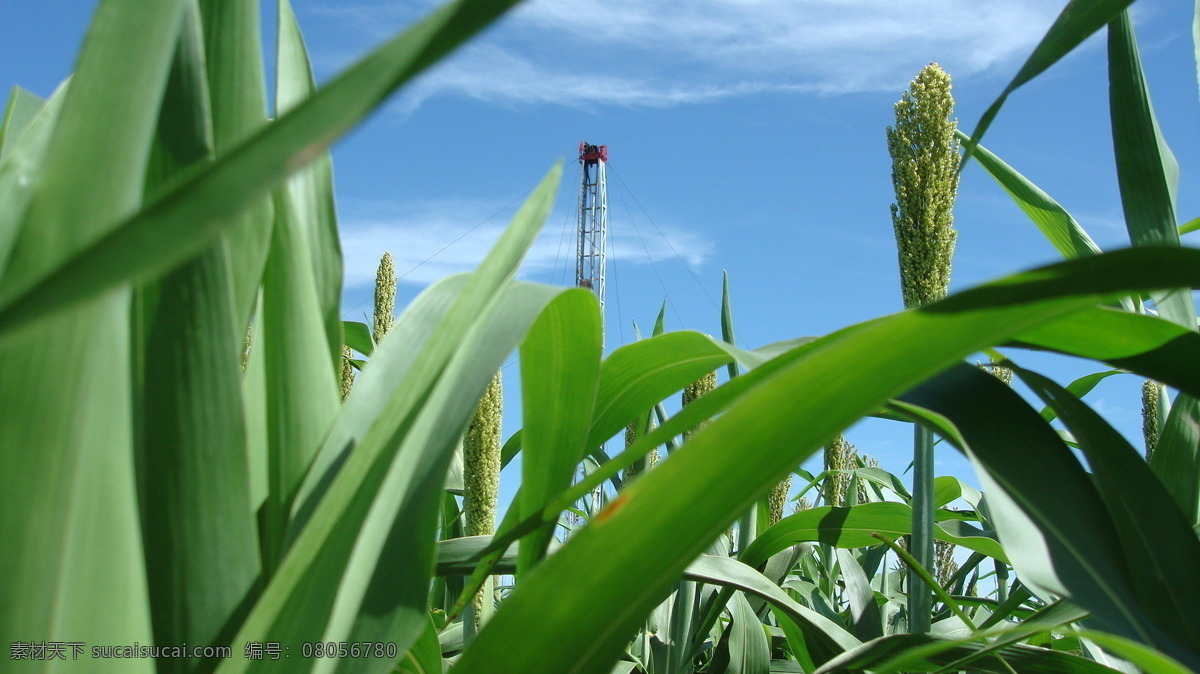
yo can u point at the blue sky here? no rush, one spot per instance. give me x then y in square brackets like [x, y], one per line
[750, 133]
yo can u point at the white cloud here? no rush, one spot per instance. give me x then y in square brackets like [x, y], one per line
[660, 53]
[439, 239]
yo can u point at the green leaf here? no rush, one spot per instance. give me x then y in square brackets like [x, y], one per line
[21, 171]
[358, 337]
[1146, 658]
[948, 489]
[657, 524]
[232, 44]
[144, 243]
[560, 366]
[1055, 223]
[1151, 346]
[425, 656]
[861, 596]
[77, 572]
[636, 376]
[1142, 511]
[1079, 388]
[360, 564]
[1189, 226]
[727, 333]
[1077, 22]
[822, 636]
[1176, 459]
[302, 395]
[23, 106]
[749, 652]
[927, 653]
[853, 528]
[191, 431]
[1146, 169]
[1051, 518]
[311, 188]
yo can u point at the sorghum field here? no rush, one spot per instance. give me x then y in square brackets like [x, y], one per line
[205, 469]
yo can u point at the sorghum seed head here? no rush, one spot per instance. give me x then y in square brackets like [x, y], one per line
[385, 297]
[924, 154]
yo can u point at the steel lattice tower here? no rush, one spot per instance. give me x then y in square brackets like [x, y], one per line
[592, 229]
[592, 232]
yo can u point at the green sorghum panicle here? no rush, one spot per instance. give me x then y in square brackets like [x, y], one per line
[631, 471]
[246, 346]
[839, 456]
[777, 500]
[701, 386]
[1004, 374]
[802, 504]
[925, 161]
[385, 297]
[1150, 394]
[867, 462]
[481, 470]
[347, 372]
[630, 436]
[946, 566]
[481, 463]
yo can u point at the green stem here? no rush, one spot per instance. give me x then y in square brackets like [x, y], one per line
[1001, 581]
[920, 606]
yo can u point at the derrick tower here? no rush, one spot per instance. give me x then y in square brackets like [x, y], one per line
[592, 222]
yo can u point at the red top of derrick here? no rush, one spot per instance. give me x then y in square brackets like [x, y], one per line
[590, 154]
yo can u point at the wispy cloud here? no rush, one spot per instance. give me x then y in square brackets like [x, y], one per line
[434, 240]
[661, 53]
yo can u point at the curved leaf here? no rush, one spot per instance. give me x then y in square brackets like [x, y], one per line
[657, 524]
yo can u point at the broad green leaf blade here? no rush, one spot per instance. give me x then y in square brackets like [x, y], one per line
[145, 244]
[1076, 552]
[1176, 459]
[1079, 388]
[948, 488]
[360, 564]
[859, 593]
[560, 369]
[369, 398]
[302, 394]
[387, 578]
[237, 86]
[191, 434]
[1146, 169]
[425, 656]
[1077, 22]
[657, 524]
[1150, 346]
[358, 337]
[76, 571]
[1155, 348]
[1143, 512]
[749, 652]
[1146, 658]
[926, 653]
[311, 188]
[20, 172]
[824, 637]
[23, 106]
[853, 528]
[639, 375]
[1055, 223]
